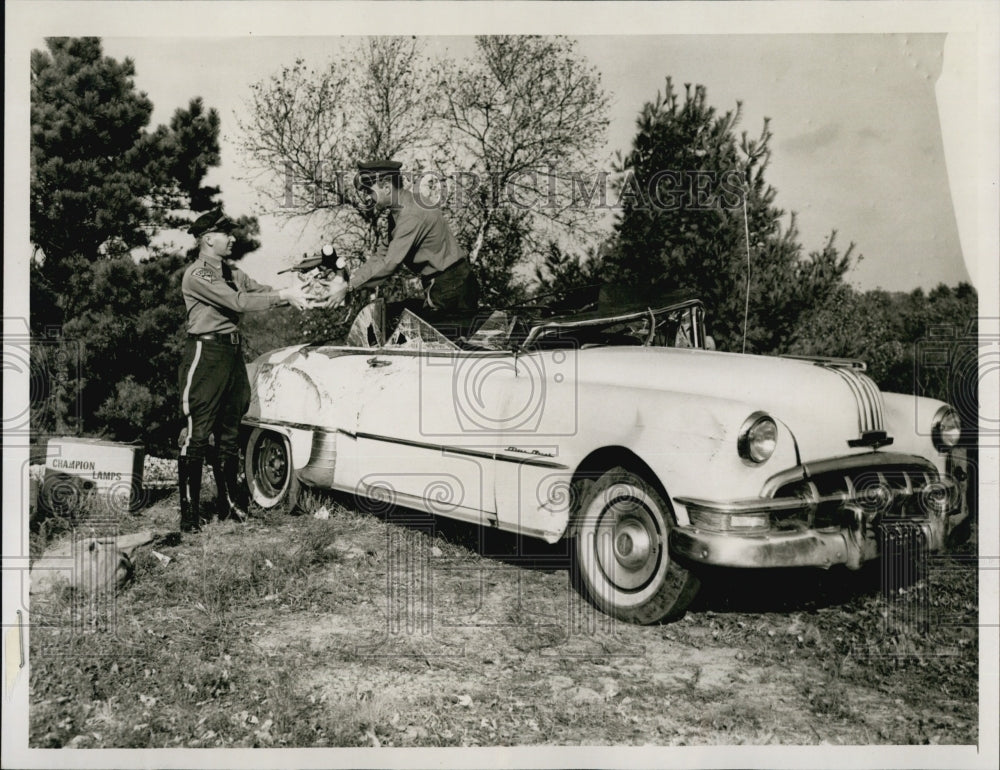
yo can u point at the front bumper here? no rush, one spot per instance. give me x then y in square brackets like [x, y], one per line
[810, 524]
[807, 548]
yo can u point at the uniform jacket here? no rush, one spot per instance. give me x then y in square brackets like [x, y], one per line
[215, 304]
[419, 238]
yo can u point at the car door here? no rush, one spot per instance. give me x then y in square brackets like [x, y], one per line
[540, 418]
[413, 447]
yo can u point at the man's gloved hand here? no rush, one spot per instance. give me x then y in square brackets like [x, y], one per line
[296, 295]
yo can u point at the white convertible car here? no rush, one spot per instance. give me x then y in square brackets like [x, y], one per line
[619, 430]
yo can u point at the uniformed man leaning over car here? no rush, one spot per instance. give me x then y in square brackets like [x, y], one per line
[215, 392]
[419, 238]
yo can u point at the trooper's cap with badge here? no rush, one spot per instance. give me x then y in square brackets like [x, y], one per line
[211, 222]
[372, 171]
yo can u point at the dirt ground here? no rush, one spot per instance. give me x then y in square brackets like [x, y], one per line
[391, 628]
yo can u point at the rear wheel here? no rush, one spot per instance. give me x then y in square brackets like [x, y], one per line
[268, 466]
[621, 551]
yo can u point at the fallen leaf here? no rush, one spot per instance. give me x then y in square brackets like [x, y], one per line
[609, 687]
[464, 700]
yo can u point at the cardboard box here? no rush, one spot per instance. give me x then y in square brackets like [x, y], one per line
[78, 468]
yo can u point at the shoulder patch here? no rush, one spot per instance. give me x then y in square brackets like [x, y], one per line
[205, 274]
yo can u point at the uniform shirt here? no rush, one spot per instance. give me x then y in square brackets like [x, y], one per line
[213, 305]
[419, 238]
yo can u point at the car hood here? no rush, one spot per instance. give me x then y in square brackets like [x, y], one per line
[823, 406]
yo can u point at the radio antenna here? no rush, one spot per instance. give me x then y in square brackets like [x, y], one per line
[746, 234]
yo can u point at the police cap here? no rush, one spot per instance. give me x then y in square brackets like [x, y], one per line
[211, 222]
[372, 171]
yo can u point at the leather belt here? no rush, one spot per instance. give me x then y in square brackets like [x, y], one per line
[226, 338]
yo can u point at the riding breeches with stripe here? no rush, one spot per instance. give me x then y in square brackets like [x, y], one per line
[215, 394]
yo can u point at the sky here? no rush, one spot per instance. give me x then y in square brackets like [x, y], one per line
[857, 144]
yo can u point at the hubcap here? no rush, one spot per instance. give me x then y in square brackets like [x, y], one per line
[272, 465]
[628, 544]
[632, 544]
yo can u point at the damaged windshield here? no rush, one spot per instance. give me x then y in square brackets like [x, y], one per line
[680, 326]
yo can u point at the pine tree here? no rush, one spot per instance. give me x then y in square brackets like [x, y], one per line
[107, 329]
[694, 201]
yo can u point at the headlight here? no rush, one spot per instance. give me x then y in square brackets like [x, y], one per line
[758, 438]
[946, 429]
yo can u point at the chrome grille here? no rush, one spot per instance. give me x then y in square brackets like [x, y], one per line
[888, 490]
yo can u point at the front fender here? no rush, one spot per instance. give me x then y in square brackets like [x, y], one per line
[909, 420]
[689, 442]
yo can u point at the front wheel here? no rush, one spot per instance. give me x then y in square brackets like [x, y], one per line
[621, 551]
[268, 466]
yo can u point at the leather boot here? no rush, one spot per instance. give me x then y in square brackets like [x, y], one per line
[235, 505]
[221, 499]
[182, 485]
[189, 469]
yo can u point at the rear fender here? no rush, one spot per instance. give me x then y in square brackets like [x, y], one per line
[300, 440]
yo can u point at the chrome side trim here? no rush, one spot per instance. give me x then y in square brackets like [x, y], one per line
[261, 422]
[447, 449]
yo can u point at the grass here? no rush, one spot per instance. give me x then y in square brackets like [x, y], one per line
[291, 631]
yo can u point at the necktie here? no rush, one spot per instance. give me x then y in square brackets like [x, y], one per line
[227, 276]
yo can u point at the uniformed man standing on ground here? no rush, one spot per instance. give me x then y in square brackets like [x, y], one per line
[215, 392]
[419, 238]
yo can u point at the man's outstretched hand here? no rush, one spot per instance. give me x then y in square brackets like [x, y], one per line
[316, 292]
[338, 293]
[296, 296]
